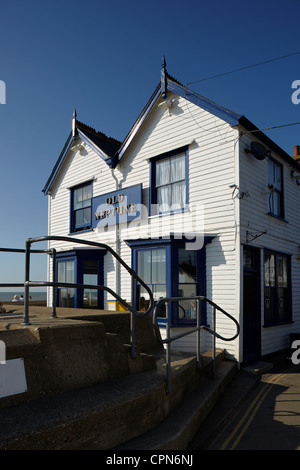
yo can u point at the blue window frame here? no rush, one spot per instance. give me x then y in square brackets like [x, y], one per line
[170, 271]
[66, 272]
[169, 182]
[81, 207]
[80, 267]
[275, 185]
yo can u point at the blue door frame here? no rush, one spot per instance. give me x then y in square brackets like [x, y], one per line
[79, 256]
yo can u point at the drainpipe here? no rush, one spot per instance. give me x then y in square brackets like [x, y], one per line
[118, 242]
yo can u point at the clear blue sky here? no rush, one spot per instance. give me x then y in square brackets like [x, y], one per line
[104, 57]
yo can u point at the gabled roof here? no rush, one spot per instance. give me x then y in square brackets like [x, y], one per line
[112, 150]
[105, 147]
[169, 83]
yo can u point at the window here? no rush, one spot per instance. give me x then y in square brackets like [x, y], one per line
[66, 273]
[90, 276]
[81, 216]
[275, 184]
[169, 182]
[81, 266]
[152, 270]
[277, 288]
[170, 270]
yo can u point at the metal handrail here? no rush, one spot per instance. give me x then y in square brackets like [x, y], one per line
[27, 283]
[133, 312]
[169, 339]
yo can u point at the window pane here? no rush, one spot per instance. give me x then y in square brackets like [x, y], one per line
[187, 308]
[144, 265]
[159, 291]
[66, 298]
[86, 195]
[90, 298]
[78, 198]
[277, 175]
[87, 215]
[144, 298]
[267, 270]
[159, 265]
[70, 273]
[187, 260]
[285, 273]
[79, 217]
[82, 197]
[65, 271]
[164, 198]
[61, 272]
[177, 168]
[163, 173]
[178, 195]
[269, 304]
[280, 271]
[272, 270]
[90, 266]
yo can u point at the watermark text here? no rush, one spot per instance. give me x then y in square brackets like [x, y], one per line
[2, 92]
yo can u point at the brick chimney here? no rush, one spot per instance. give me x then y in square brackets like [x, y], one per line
[297, 153]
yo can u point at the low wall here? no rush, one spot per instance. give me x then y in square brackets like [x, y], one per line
[77, 354]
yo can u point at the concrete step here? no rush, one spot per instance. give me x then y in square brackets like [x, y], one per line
[179, 428]
[105, 415]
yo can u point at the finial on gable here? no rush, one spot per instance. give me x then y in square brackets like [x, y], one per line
[74, 123]
[163, 79]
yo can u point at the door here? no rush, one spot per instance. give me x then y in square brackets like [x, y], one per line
[251, 305]
[90, 277]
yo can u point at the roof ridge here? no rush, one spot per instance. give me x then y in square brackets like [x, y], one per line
[84, 126]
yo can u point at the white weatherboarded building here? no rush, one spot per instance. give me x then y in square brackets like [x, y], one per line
[198, 202]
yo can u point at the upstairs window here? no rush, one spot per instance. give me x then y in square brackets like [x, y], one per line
[275, 185]
[169, 191]
[81, 200]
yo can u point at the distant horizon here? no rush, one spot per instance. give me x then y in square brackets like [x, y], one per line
[7, 296]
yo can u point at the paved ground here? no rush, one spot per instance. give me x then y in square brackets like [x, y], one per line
[257, 412]
[41, 315]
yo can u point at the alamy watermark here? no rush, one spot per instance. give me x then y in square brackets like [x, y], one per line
[296, 94]
[296, 354]
[188, 224]
[2, 352]
[2, 92]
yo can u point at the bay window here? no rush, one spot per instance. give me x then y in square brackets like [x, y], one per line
[170, 270]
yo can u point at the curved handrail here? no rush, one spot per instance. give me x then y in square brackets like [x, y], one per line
[207, 328]
[29, 241]
[197, 329]
[80, 286]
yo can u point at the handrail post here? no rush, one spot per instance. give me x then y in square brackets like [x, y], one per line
[168, 349]
[214, 342]
[198, 331]
[26, 285]
[132, 321]
[53, 314]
